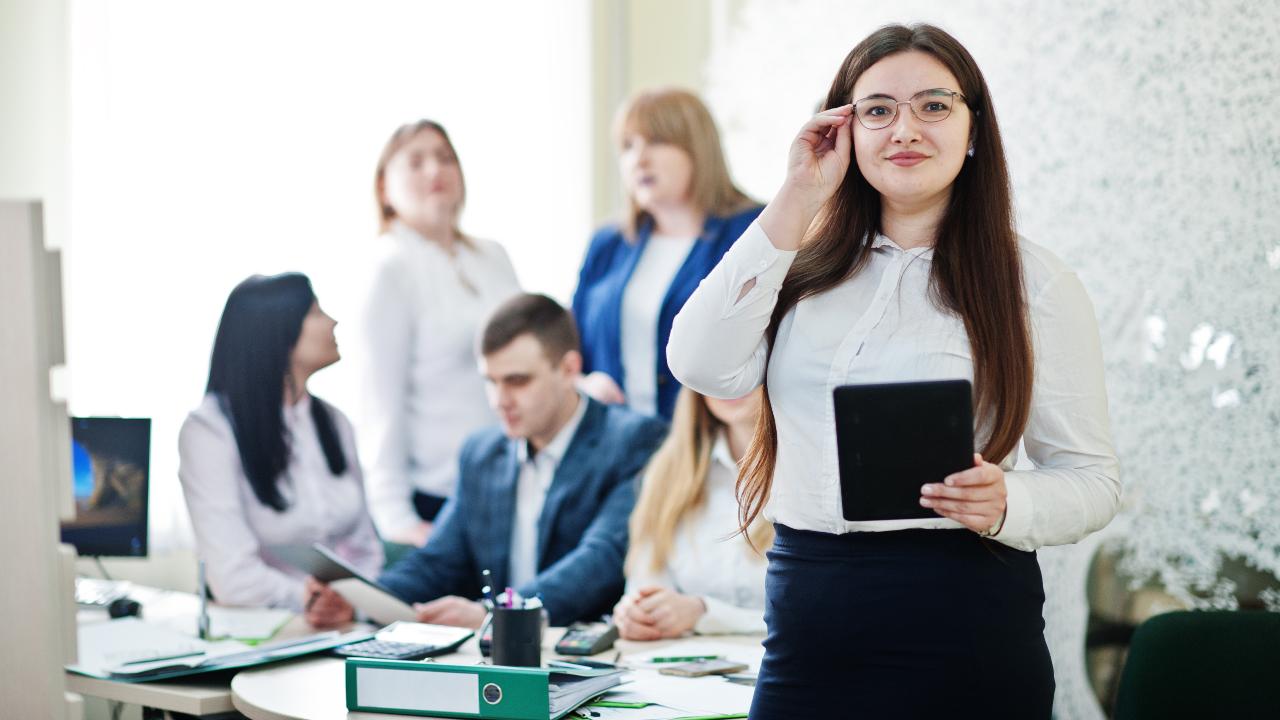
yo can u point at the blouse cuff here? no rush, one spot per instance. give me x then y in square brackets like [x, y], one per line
[754, 256]
[1018, 514]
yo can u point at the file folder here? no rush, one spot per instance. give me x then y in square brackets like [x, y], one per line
[471, 691]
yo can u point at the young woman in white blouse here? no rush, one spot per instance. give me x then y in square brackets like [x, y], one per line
[262, 462]
[889, 254]
[430, 291]
[688, 570]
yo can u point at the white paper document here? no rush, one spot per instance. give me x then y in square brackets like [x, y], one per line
[106, 645]
[710, 695]
[246, 623]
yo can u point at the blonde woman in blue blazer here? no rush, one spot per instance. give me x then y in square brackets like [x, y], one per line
[683, 212]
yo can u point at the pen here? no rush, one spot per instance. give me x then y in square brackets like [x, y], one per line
[686, 658]
[202, 620]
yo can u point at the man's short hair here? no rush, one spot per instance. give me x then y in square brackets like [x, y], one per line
[537, 315]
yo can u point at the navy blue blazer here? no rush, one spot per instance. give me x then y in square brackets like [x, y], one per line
[582, 532]
[606, 270]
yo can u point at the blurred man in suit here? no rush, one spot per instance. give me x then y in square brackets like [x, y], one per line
[543, 500]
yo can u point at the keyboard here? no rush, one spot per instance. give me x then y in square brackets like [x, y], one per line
[93, 592]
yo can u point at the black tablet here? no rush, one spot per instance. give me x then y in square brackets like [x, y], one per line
[894, 437]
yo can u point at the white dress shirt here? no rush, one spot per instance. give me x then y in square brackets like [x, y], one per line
[881, 326]
[536, 474]
[421, 390]
[709, 560]
[641, 304]
[232, 527]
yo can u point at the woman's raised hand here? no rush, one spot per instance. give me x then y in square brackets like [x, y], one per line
[816, 166]
[819, 156]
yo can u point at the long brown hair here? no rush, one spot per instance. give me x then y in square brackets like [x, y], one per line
[678, 117]
[399, 139]
[976, 271]
[675, 482]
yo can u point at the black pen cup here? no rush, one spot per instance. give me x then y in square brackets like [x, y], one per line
[517, 636]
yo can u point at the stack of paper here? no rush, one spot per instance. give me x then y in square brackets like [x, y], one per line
[566, 692]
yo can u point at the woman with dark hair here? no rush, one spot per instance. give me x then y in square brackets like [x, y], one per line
[430, 291]
[261, 461]
[889, 254]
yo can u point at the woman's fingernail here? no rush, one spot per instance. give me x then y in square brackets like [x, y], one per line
[926, 502]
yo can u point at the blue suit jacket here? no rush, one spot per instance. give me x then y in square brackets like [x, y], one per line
[597, 303]
[582, 532]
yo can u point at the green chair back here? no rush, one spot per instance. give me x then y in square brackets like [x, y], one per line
[1203, 664]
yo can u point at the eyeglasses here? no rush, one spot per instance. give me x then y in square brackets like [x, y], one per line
[879, 111]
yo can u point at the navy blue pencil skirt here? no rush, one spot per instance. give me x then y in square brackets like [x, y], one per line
[905, 624]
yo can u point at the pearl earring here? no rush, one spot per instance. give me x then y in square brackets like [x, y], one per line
[970, 151]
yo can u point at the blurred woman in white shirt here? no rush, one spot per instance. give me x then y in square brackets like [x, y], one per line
[689, 570]
[262, 462]
[430, 290]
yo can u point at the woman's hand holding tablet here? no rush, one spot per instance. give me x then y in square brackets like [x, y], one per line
[974, 498]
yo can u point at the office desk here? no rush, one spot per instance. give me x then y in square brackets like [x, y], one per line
[315, 688]
[194, 697]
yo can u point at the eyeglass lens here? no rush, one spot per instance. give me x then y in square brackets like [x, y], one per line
[929, 106]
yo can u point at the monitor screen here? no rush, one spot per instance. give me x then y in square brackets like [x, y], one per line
[110, 461]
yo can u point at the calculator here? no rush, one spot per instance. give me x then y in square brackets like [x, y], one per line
[388, 650]
[407, 641]
[587, 638]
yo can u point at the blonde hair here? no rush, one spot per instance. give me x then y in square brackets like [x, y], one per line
[678, 117]
[675, 483]
[399, 139]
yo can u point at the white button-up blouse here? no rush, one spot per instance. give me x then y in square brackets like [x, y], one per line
[233, 528]
[421, 391]
[881, 325]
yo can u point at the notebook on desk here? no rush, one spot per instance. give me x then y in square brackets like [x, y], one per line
[133, 650]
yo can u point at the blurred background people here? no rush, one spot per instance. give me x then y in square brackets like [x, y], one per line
[543, 498]
[688, 569]
[263, 462]
[683, 211]
[431, 289]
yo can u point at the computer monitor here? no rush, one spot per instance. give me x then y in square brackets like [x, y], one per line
[110, 471]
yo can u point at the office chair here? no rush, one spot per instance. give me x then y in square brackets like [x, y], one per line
[1203, 664]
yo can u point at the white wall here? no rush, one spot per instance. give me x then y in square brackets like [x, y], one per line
[35, 598]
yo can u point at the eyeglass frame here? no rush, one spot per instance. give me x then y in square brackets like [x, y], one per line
[896, 102]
